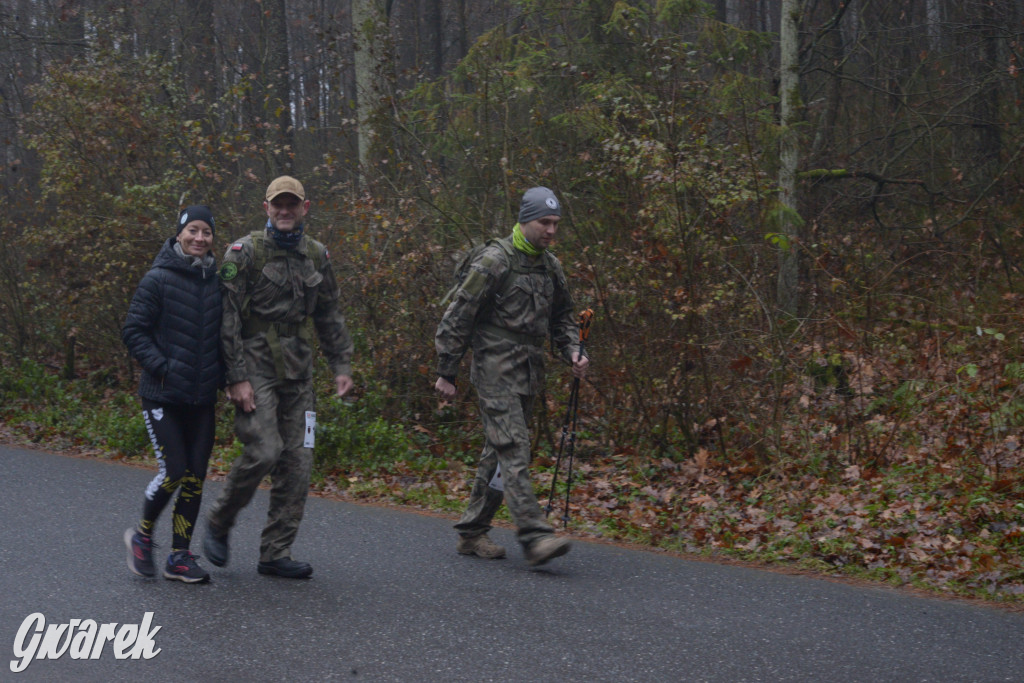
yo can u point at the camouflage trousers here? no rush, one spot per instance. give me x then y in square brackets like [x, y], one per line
[507, 444]
[272, 438]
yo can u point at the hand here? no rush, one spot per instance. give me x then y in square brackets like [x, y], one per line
[579, 365]
[445, 388]
[242, 395]
[344, 384]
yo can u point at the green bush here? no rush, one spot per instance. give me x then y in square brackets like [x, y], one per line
[46, 405]
[353, 435]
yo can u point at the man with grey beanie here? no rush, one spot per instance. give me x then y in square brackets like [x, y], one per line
[514, 295]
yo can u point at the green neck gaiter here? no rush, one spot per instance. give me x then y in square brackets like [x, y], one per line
[522, 244]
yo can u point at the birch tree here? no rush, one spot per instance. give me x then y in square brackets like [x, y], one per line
[369, 21]
[789, 106]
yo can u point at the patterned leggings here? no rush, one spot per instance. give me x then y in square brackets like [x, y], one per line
[182, 438]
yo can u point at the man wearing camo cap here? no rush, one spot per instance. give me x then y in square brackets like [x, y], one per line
[278, 287]
[514, 295]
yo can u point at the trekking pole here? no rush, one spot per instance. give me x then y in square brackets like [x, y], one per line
[586, 318]
[561, 443]
[569, 423]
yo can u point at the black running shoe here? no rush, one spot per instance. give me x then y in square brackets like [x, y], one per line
[140, 553]
[181, 566]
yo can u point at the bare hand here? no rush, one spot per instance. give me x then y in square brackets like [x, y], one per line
[344, 384]
[445, 388]
[242, 395]
[579, 365]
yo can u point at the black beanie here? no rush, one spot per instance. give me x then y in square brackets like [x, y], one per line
[197, 212]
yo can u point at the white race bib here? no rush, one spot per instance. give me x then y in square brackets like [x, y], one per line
[310, 429]
[496, 482]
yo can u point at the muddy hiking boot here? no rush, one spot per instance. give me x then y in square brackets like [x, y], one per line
[546, 548]
[481, 546]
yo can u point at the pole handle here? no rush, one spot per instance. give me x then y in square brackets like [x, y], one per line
[586, 318]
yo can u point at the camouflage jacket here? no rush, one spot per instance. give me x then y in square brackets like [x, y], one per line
[507, 329]
[265, 330]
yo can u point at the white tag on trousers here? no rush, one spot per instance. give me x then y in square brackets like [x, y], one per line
[310, 429]
[496, 482]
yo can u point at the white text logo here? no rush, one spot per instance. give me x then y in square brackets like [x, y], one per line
[81, 639]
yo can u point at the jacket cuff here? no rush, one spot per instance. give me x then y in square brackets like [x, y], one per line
[235, 376]
[342, 369]
[447, 369]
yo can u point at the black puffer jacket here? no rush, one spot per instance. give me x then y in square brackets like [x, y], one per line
[173, 330]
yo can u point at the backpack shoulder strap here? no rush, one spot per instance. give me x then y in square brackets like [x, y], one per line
[467, 259]
[317, 252]
[505, 243]
[546, 262]
[553, 268]
[259, 250]
[510, 258]
[259, 259]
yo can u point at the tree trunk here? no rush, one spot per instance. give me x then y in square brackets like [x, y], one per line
[369, 20]
[789, 101]
[461, 36]
[277, 101]
[834, 49]
[199, 56]
[989, 143]
[728, 11]
[433, 27]
[933, 17]
[70, 30]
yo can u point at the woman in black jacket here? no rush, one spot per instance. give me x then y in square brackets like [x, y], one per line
[173, 331]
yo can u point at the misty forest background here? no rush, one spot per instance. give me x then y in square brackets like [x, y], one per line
[798, 223]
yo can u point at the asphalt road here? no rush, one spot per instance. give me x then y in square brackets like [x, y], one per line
[390, 600]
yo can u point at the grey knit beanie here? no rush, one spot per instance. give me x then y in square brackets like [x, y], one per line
[537, 203]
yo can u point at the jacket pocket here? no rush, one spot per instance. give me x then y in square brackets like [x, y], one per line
[271, 285]
[527, 303]
[311, 289]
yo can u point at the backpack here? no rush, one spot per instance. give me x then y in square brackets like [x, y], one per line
[461, 269]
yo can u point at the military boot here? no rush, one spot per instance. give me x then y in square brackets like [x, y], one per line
[546, 548]
[481, 546]
[215, 545]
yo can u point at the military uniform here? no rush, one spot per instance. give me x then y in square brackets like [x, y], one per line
[267, 339]
[506, 318]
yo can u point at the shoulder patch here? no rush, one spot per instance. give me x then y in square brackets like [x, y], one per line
[237, 246]
[228, 271]
[475, 282]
